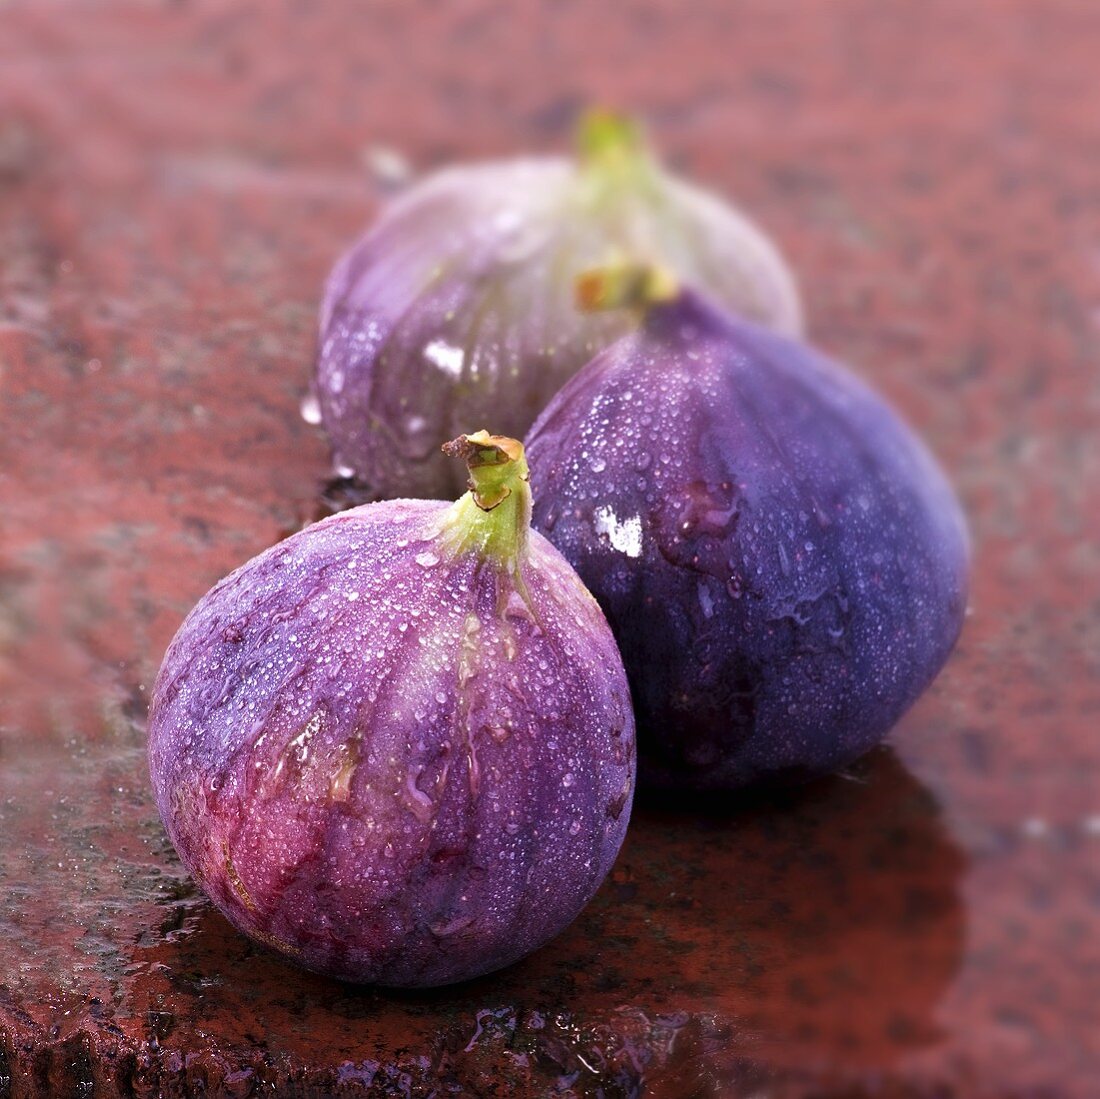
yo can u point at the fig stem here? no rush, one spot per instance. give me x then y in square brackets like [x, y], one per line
[605, 136]
[624, 286]
[614, 158]
[494, 517]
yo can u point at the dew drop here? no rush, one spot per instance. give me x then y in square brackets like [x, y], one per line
[310, 409]
[427, 560]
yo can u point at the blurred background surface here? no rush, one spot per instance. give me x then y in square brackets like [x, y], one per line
[175, 181]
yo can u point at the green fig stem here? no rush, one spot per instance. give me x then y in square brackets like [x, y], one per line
[608, 135]
[494, 517]
[614, 157]
[624, 286]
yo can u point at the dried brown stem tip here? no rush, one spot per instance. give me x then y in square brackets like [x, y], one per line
[624, 286]
[494, 461]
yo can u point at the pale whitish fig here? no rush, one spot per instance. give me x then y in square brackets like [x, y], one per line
[457, 304]
[398, 746]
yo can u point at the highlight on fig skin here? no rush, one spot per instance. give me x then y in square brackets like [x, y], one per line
[398, 746]
[781, 560]
[457, 304]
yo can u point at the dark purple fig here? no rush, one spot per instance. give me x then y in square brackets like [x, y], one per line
[457, 305]
[781, 560]
[398, 746]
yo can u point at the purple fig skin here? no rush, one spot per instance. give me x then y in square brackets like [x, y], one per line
[379, 758]
[780, 558]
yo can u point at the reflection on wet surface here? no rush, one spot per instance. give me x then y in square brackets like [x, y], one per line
[816, 929]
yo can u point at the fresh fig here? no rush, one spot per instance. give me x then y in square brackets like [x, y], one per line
[457, 304]
[781, 560]
[398, 746]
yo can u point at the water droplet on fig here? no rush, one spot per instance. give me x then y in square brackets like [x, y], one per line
[418, 439]
[442, 929]
[507, 220]
[418, 801]
[310, 409]
[706, 601]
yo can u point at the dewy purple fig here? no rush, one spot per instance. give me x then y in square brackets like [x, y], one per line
[780, 558]
[398, 746]
[458, 303]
